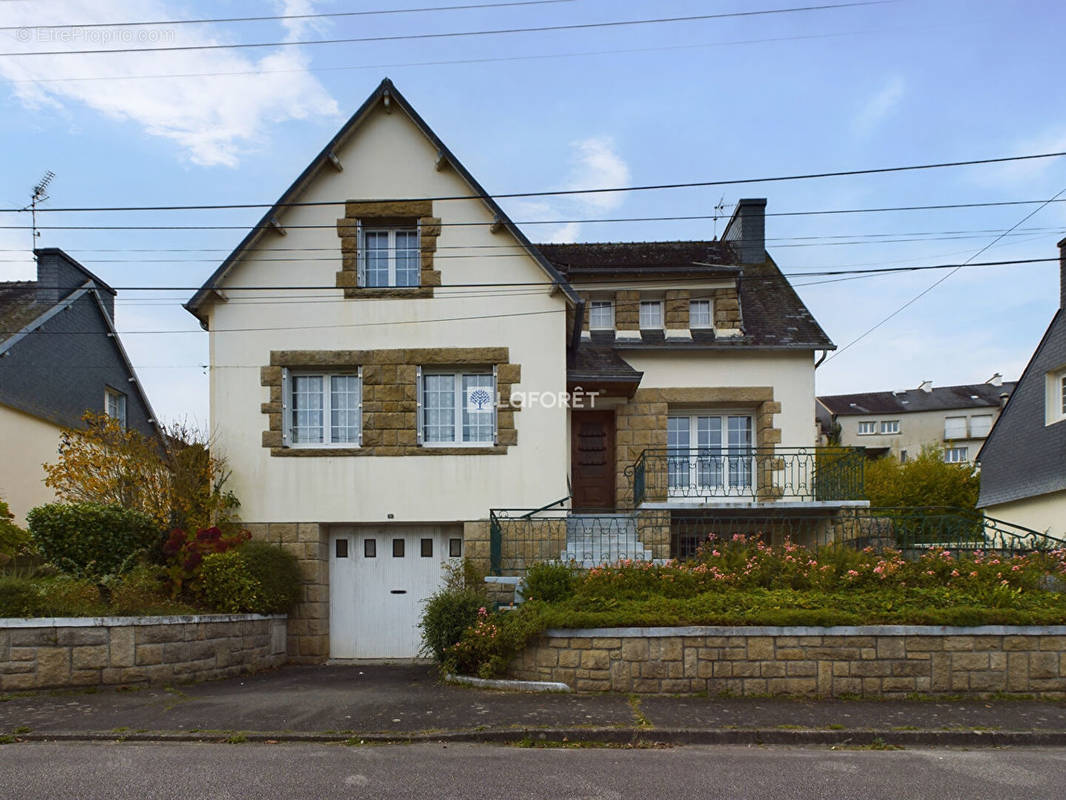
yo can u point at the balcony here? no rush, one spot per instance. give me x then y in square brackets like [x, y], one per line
[680, 477]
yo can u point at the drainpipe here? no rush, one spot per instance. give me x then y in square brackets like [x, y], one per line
[579, 321]
[818, 363]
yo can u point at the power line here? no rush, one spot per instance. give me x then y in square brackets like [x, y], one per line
[940, 280]
[590, 220]
[451, 34]
[568, 192]
[279, 17]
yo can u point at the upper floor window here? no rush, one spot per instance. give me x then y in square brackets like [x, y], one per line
[699, 314]
[601, 315]
[391, 257]
[957, 455]
[324, 409]
[115, 406]
[457, 408]
[867, 428]
[651, 314]
[955, 427]
[1055, 397]
[980, 425]
[890, 426]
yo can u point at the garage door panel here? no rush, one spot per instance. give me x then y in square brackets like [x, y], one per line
[379, 581]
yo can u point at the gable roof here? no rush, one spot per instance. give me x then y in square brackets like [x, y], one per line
[591, 259]
[385, 91]
[940, 398]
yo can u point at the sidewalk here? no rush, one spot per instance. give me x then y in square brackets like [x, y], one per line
[405, 702]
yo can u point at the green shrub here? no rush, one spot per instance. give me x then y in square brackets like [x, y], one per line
[91, 540]
[13, 540]
[18, 598]
[447, 614]
[256, 578]
[69, 596]
[550, 582]
[487, 647]
[143, 591]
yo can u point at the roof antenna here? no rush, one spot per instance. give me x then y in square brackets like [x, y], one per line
[40, 194]
[717, 212]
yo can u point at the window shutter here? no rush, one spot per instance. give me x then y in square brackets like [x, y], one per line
[495, 406]
[286, 408]
[360, 254]
[418, 405]
[360, 376]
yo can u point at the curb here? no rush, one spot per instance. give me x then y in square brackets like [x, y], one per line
[507, 683]
[607, 736]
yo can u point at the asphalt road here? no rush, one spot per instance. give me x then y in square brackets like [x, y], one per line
[118, 771]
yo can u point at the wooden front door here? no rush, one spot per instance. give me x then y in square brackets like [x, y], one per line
[592, 464]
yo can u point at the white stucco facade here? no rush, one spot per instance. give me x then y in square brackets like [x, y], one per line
[36, 443]
[1045, 513]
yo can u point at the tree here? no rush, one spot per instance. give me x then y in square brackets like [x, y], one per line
[181, 484]
[924, 481]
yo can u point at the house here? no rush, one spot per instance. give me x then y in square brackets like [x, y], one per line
[1023, 461]
[427, 384]
[60, 356]
[954, 419]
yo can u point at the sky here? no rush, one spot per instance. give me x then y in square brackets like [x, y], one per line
[762, 95]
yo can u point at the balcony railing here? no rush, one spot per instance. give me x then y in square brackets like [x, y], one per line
[799, 474]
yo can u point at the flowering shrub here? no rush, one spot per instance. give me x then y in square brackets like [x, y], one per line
[489, 645]
[185, 552]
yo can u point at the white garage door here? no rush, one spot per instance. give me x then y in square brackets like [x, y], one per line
[378, 581]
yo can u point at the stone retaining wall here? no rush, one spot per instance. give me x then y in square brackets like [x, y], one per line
[868, 661]
[93, 651]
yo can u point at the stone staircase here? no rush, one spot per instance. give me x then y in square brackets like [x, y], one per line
[593, 540]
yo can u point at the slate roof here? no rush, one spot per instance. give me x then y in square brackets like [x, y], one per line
[941, 398]
[773, 314]
[18, 306]
[600, 362]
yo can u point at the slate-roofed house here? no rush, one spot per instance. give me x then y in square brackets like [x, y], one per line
[360, 423]
[1023, 461]
[60, 356]
[954, 419]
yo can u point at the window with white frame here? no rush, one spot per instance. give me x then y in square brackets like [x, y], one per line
[980, 425]
[457, 408]
[957, 455]
[954, 427]
[709, 453]
[699, 314]
[324, 409]
[651, 314]
[601, 315]
[391, 257]
[115, 406]
[1055, 397]
[867, 428]
[890, 426]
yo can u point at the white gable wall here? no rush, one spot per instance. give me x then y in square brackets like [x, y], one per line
[386, 158]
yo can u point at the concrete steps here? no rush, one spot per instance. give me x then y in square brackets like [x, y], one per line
[593, 540]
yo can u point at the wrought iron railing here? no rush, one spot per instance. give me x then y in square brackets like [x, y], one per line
[748, 473]
[520, 538]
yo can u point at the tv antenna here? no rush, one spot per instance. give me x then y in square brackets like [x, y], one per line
[718, 209]
[40, 194]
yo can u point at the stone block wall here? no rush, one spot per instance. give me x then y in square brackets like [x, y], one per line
[55, 653]
[875, 661]
[389, 399]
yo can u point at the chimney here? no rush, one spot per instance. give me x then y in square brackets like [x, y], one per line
[995, 380]
[1062, 274]
[59, 275]
[747, 230]
[926, 386]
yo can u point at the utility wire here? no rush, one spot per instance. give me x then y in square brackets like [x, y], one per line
[278, 17]
[451, 34]
[940, 280]
[570, 192]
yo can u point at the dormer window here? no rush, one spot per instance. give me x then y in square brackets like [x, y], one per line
[699, 314]
[651, 315]
[115, 406]
[601, 315]
[391, 257]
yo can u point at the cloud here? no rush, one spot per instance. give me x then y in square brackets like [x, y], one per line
[594, 164]
[212, 120]
[878, 107]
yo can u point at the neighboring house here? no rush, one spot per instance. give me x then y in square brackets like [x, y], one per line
[355, 401]
[60, 356]
[1023, 462]
[955, 419]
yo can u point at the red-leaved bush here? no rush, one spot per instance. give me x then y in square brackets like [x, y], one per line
[185, 553]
